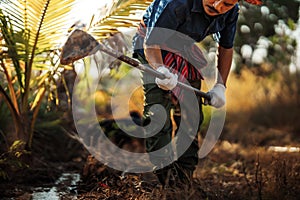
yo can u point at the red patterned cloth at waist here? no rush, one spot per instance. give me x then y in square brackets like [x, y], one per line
[180, 66]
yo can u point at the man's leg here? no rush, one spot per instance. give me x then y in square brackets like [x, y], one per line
[185, 115]
[161, 127]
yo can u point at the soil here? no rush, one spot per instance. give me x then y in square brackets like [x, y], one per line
[230, 171]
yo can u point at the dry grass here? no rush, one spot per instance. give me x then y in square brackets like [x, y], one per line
[261, 110]
[247, 91]
[232, 171]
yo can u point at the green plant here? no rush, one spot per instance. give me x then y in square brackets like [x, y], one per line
[30, 34]
[11, 160]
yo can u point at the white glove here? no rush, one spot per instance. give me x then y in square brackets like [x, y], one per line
[169, 82]
[217, 96]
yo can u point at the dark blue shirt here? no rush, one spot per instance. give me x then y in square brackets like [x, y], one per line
[189, 18]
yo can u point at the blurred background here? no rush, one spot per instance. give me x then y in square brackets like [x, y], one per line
[36, 122]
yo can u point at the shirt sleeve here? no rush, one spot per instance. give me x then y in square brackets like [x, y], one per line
[161, 22]
[228, 33]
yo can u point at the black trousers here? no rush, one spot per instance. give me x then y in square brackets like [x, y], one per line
[188, 117]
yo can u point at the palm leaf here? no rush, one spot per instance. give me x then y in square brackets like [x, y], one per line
[10, 37]
[45, 21]
[120, 14]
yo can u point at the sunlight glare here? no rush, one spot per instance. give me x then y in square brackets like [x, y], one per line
[284, 149]
[85, 9]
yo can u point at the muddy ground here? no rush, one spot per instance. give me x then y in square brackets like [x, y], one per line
[61, 168]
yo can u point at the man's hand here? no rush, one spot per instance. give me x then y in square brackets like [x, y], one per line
[217, 96]
[169, 82]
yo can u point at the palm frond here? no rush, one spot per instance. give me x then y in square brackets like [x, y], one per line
[10, 38]
[119, 14]
[46, 19]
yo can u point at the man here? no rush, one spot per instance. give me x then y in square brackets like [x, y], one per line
[166, 41]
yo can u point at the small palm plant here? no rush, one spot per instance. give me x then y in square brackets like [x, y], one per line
[31, 32]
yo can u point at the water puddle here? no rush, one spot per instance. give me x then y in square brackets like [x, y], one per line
[65, 187]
